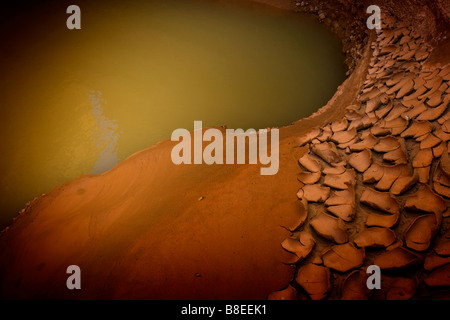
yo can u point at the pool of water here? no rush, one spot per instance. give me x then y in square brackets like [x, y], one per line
[79, 101]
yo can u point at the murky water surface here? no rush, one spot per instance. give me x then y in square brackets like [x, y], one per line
[78, 102]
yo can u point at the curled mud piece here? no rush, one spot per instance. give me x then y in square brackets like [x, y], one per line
[417, 129]
[343, 204]
[392, 174]
[381, 220]
[286, 294]
[368, 143]
[402, 289]
[423, 158]
[340, 181]
[309, 177]
[300, 247]
[375, 237]
[430, 141]
[433, 261]
[314, 193]
[343, 257]
[310, 163]
[443, 247]
[307, 138]
[327, 152]
[361, 161]
[342, 137]
[403, 184]
[329, 227]
[434, 113]
[439, 277]
[339, 125]
[421, 231]
[425, 200]
[386, 144]
[315, 280]
[354, 286]
[380, 200]
[301, 216]
[398, 258]
[445, 164]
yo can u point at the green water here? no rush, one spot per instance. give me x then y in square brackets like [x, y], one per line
[79, 101]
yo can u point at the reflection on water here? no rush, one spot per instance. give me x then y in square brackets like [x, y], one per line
[105, 135]
[78, 101]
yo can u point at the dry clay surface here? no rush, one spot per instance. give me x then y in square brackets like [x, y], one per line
[376, 183]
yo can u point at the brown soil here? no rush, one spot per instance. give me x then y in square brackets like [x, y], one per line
[148, 229]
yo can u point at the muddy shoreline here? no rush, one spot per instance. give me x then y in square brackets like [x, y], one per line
[145, 213]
